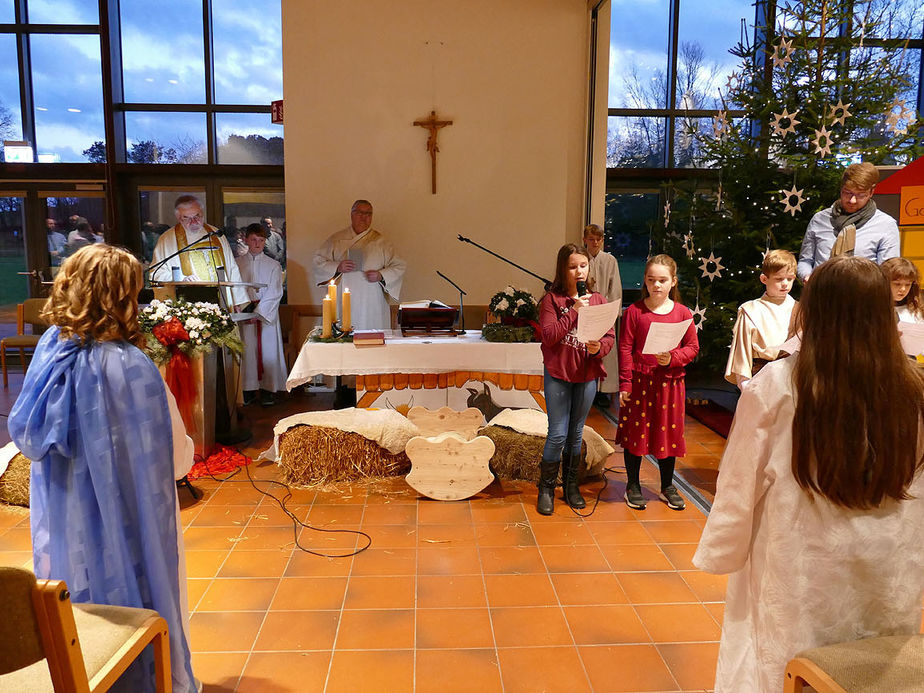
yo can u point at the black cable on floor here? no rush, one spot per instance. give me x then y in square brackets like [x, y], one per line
[296, 523]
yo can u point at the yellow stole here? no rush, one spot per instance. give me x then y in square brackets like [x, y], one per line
[197, 259]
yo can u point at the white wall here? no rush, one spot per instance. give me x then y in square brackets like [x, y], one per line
[511, 74]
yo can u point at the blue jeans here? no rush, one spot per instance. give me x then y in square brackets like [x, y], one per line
[567, 405]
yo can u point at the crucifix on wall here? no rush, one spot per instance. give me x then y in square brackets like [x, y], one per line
[433, 124]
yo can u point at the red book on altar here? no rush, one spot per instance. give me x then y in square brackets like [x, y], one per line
[368, 338]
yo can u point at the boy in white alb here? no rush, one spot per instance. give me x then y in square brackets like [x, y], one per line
[762, 325]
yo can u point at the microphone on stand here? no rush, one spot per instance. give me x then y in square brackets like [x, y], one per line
[461, 307]
[581, 287]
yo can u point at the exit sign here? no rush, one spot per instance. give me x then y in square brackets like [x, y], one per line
[276, 111]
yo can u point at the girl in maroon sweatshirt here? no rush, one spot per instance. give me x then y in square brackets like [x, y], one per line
[571, 370]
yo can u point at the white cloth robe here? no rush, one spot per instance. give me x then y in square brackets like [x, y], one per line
[368, 300]
[166, 245]
[762, 326]
[604, 270]
[262, 269]
[804, 573]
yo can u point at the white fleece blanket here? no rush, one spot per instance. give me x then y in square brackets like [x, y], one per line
[386, 427]
[533, 422]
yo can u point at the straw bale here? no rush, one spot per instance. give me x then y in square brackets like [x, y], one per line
[517, 455]
[14, 483]
[311, 455]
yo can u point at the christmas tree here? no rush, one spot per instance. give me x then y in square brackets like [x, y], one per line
[825, 87]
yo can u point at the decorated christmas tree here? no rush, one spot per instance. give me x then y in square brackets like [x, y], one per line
[825, 87]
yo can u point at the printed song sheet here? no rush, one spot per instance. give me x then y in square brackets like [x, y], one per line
[912, 335]
[594, 321]
[664, 336]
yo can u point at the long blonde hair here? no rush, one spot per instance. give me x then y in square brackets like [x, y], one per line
[95, 296]
[859, 400]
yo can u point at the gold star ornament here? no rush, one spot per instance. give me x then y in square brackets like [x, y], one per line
[711, 274]
[778, 119]
[788, 204]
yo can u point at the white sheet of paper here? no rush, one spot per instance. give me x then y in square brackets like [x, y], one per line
[912, 335]
[664, 336]
[594, 321]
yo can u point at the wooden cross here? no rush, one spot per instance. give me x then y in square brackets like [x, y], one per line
[433, 125]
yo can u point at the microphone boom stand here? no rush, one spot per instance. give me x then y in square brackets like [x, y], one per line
[461, 307]
[547, 282]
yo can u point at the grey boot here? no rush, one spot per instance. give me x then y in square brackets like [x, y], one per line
[548, 475]
[570, 491]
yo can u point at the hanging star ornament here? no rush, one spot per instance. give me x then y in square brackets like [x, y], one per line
[688, 245]
[823, 134]
[893, 119]
[733, 82]
[712, 275]
[720, 124]
[785, 115]
[839, 113]
[667, 213]
[786, 200]
[701, 314]
[782, 53]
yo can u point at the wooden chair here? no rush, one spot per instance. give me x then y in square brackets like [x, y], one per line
[26, 312]
[49, 644]
[893, 664]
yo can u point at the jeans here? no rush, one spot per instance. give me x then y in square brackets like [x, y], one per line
[567, 405]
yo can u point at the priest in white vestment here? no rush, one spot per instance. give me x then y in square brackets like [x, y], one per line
[263, 364]
[604, 270]
[199, 263]
[361, 259]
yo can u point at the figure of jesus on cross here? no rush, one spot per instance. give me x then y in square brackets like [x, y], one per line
[433, 125]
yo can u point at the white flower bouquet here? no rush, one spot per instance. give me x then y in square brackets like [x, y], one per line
[192, 328]
[514, 304]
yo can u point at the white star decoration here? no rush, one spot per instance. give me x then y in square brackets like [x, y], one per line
[712, 275]
[788, 195]
[786, 49]
[720, 124]
[823, 134]
[667, 213]
[893, 119]
[841, 108]
[688, 245]
[785, 115]
[701, 313]
[733, 82]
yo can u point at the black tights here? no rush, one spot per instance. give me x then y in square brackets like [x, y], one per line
[634, 465]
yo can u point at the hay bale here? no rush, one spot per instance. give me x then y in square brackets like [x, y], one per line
[517, 455]
[310, 455]
[14, 483]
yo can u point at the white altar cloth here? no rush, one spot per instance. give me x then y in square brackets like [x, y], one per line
[468, 352]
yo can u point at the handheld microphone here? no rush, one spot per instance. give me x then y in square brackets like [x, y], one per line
[581, 287]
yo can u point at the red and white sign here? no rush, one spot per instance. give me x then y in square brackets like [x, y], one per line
[276, 111]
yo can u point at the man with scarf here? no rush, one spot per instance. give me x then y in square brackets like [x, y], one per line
[851, 226]
[201, 260]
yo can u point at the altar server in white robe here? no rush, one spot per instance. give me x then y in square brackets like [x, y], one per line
[819, 511]
[604, 270]
[762, 325]
[201, 261]
[361, 259]
[263, 365]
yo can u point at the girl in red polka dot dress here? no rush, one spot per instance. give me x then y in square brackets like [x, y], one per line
[651, 386]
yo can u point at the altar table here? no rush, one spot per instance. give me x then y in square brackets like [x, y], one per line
[426, 362]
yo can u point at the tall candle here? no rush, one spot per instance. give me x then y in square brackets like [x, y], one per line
[347, 322]
[332, 294]
[326, 317]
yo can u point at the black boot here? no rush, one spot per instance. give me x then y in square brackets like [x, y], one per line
[548, 475]
[570, 491]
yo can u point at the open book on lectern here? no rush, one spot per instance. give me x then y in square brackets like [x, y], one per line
[426, 303]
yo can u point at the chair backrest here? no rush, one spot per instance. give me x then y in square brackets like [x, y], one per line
[20, 639]
[31, 312]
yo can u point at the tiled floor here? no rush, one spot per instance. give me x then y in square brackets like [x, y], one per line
[478, 595]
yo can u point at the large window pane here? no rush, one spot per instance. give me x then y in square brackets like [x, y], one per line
[629, 216]
[162, 54]
[706, 32]
[157, 215]
[896, 19]
[64, 11]
[165, 138]
[66, 235]
[638, 54]
[14, 287]
[7, 13]
[267, 208]
[248, 138]
[635, 142]
[68, 94]
[248, 51]
[10, 114]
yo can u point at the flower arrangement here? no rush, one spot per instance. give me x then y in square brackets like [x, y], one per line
[190, 328]
[517, 304]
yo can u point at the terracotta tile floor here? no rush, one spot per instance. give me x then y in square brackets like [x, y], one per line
[482, 594]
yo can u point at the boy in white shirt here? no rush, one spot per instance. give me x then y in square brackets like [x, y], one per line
[762, 325]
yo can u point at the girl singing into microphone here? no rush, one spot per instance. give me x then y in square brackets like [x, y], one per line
[571, 370]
